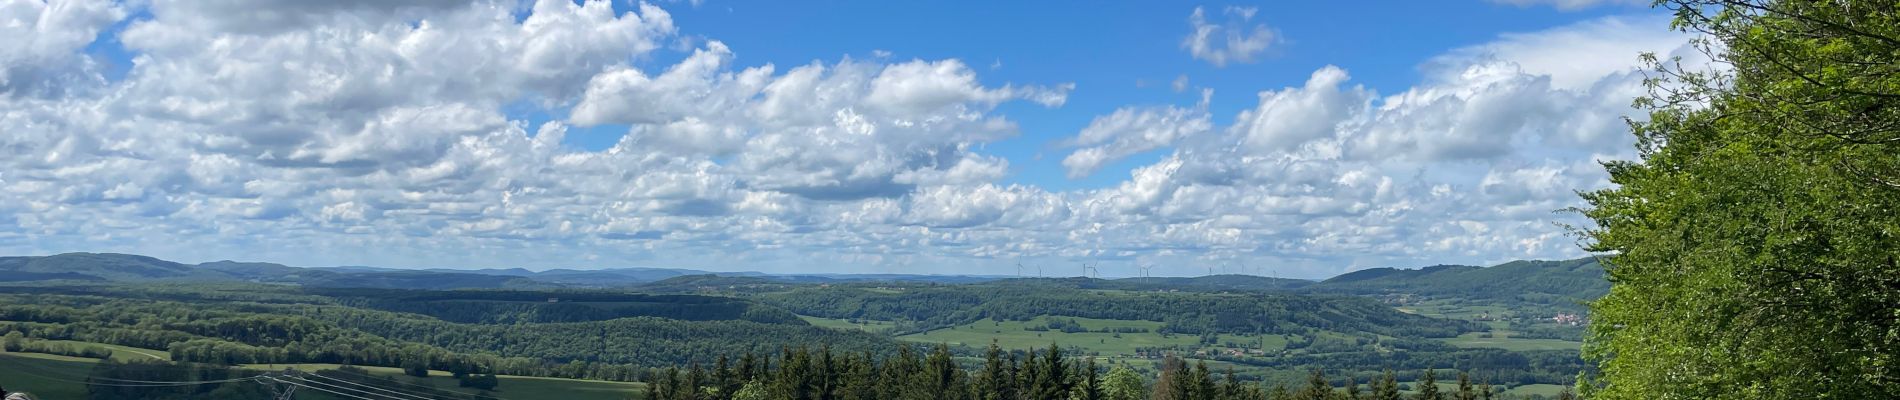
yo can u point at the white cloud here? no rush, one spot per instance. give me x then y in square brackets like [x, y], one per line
[43, 54]
[366, 132]
[1236, 41]
[1130, 131]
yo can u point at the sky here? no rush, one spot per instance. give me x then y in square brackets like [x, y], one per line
[1291, 139]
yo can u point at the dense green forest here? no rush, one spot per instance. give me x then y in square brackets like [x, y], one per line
[1752, 247]
[932, 307]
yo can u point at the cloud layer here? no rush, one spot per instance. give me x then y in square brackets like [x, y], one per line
[381, 133]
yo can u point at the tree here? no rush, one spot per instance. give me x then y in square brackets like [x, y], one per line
[1387, 387]
[1465, 391]
[14, 341]
[1428, 386]
[1317, 388]
[752, 391]
[997, 381]
[1123, 383]
[1752, 246]
[1088, 382]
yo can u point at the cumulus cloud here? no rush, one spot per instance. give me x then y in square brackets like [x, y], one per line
[43, 56]
[1129, 131]
[1238, 40]
[386, 133]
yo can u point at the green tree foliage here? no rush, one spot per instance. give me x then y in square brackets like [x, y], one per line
[1386, 388]
[1752, 247]
[1123, 383]
[1428, 387]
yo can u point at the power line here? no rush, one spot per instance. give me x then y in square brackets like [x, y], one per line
[132, 383]
[397, 392]
[366, 375]
[316, 388]
[295, 378]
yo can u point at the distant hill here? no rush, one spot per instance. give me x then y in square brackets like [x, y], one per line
[1547, 282]
[105, 266]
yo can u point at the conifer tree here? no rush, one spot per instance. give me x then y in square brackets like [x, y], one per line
[996, 382]
[1051, 379]
[1428, 386]
[1088, 382]
[1387, 388]
[725, 379]
[1465, 391]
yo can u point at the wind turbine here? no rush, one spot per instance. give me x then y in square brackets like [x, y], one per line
[1144, 269]
[1019, 270]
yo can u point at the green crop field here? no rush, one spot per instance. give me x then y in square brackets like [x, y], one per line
[121, 353]
[45, 376]
[1501, 340]
[873, 326]
[1012, 335]
[60, 377]
[510, 387]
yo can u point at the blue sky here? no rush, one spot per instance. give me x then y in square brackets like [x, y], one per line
[1299, 139]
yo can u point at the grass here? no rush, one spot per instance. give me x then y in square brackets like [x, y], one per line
[1537, 389]
[49, 376]
[1012, 335]
[45, 376]
[867, 325]
[511, 387]
[121, 353]
[1502, 340]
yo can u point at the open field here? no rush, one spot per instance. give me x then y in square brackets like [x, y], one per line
[1501, 340]
[1012, 335]
[511, 387]
[44, 375]
[60, 377]
[121, 353]
[873, 326]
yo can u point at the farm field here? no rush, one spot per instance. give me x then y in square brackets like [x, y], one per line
[1502, 340]
[873, 326]
[511, 386]
[61, 377]
[1012, 335]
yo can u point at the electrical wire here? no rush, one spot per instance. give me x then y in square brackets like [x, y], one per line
[393, 393]
[415, 385]
[318, 389]
[377, 396]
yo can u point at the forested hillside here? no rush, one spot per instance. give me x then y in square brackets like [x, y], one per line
[1546, 282]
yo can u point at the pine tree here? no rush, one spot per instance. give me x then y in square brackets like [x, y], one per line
[1428, 386]
[1231, 388]
[941, 378]
[724, 379]
[1203, 382]
[859, 379]
[996, 382]
[695, 377]
[1088, 383]
[1485, 391]
[1279, 392]
[1387, 388]
[1465, 391]
[1352, 389]
[1317, 388]
[1173, 383]
[1051, 377]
